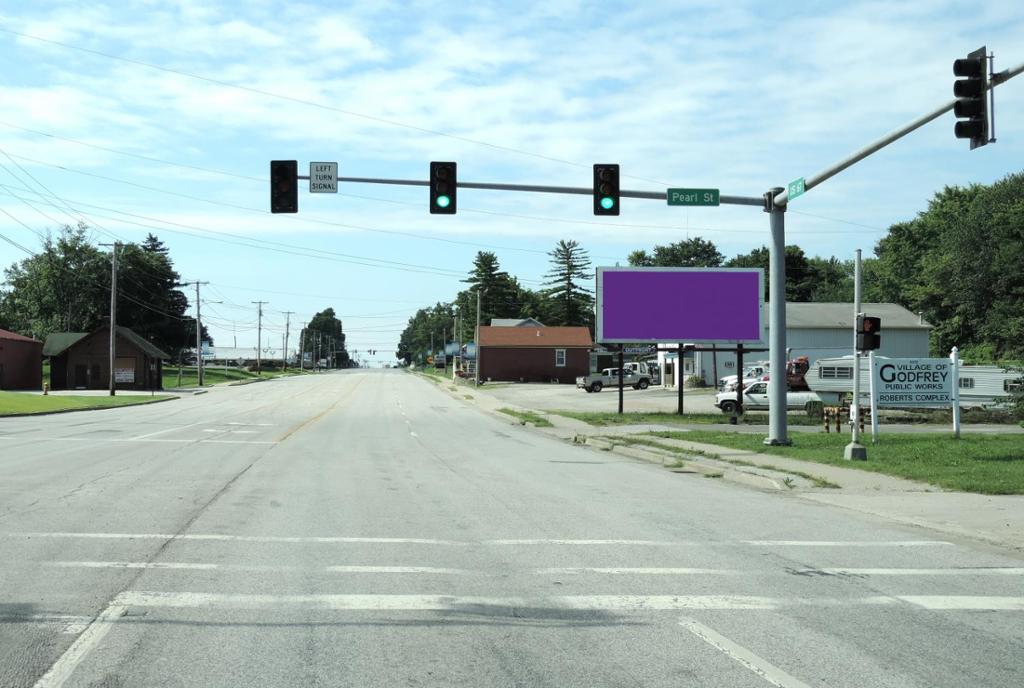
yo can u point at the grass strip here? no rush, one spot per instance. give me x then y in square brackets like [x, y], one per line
[14, 403]
[982, 463]
[527, 417]
[606, 418]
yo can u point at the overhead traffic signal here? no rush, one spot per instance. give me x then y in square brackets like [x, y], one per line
[868, 328]
[606, 189]
[284, 186]
[443, 186]
[971, 107]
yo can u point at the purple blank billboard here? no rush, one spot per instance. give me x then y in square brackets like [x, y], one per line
[685, 305]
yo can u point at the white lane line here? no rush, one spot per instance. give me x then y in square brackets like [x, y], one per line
[959, 602]
[616, 571]
[645, 543]
[132, 565]
[160, 432]
[760, 666]
[966, 571]
[413, 433]
[83, 645]
[100, 440]
[142, 598]
[841, 543]
[396, 569]
[240, 538]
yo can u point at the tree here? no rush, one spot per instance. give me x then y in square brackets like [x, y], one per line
[569, 303]
[324, 336]
[427, 327]
[800, 274]
[689, 253]
[961, 263]
[833, 280]
[66, 288]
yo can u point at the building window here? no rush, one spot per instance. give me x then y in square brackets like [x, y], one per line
[967, 383]
[835, 373]
[559, 358]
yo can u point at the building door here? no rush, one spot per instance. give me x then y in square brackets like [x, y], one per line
[81, 376]
[96, 381]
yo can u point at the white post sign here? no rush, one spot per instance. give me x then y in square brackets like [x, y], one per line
[323, 177]
[913, 382]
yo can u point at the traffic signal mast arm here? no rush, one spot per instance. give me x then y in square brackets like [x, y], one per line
[576, 190]
[814, 180]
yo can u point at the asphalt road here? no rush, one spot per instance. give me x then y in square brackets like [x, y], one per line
[367, 529]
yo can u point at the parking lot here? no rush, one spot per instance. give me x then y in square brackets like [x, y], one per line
[568, 397]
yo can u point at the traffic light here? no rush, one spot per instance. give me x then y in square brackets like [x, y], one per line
[443, 185]
[971, 108]
[868, 328]
[606, 189]
[284, 186]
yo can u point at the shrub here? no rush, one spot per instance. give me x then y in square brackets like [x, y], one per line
[695, 381]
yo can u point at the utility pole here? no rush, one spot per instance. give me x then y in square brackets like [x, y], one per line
[856, 451]
[199, 335]
[302, 345]
[113, 313]
[259, 336]
[287, 325]
[476, 366]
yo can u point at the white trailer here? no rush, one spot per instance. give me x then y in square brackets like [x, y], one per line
[982, 385]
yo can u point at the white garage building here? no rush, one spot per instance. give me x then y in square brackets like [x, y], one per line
[815, 330]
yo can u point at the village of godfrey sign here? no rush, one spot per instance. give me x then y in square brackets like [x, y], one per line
[913, 382]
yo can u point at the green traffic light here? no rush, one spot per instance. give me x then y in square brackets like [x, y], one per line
[443, 201]
[607, 202]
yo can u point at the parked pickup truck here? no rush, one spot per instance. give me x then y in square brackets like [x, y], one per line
[609, 377]
[755, 397]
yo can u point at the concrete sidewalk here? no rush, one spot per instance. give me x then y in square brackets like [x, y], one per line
[996, 519]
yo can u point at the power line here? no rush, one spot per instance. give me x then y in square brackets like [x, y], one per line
[311, 103]
[276, 246]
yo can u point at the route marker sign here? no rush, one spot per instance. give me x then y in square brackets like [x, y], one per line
[795, 188]
[323, 177]
[693, 196]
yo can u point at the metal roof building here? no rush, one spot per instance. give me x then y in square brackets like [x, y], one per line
[819, 330]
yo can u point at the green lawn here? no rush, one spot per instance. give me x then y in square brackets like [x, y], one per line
[527, 417]
[604, 418]
[14, 402]
[989, 463]
[217, 375]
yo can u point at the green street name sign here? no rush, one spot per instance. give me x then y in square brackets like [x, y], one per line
[693, 196]
[795, 188]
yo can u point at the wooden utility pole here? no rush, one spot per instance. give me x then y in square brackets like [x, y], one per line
[287, 325]
[259, 336]
[113, 314]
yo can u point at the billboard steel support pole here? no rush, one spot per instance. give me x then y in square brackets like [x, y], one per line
[739, 382]
[621, 364]
[776, 321]
[679, 377]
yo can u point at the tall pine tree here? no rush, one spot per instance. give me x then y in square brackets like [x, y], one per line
[569, 301]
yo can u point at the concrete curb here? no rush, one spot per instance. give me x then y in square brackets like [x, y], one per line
[86, 408]
[725, 471]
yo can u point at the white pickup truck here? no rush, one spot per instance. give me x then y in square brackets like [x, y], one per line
[755, 397]
[609, 377]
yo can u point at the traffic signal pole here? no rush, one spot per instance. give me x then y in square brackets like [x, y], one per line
[777, 435]
[877, 145]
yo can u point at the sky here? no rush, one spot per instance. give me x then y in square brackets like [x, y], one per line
[162, 117]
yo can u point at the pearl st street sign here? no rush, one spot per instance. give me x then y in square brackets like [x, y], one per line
[693, 196]
[323, 177]
[913, 382]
